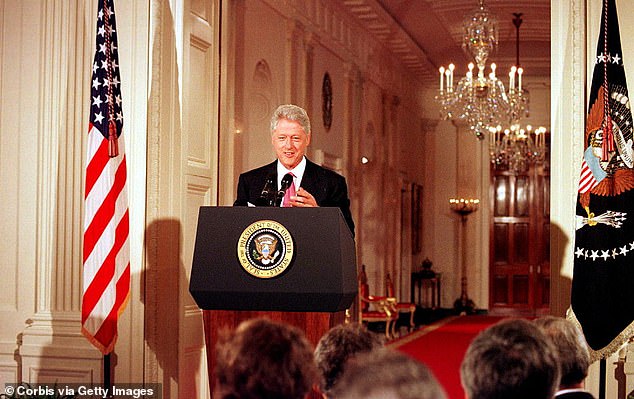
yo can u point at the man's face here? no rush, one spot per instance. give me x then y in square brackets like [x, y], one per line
[290, 142]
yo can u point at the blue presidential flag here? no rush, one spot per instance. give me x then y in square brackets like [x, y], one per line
[602, 300]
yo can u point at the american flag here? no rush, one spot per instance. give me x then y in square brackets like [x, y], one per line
[106, 226]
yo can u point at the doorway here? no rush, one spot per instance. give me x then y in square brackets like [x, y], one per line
[520, 241]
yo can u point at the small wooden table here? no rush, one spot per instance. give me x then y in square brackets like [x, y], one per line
[424, 283]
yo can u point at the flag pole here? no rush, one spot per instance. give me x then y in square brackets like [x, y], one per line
[107, 383]
[602, 369]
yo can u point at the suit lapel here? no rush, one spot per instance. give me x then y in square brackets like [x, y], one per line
[271, 169]
[311, 178]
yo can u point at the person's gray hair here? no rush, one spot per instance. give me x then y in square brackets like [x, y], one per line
[291, 112]
[340, 344]
[386, 373]
[571, 348]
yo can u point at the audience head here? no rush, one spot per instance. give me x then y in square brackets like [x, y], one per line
[571, 348]
[512, 359]
[337, 346]
[387, 374]
[264, 359]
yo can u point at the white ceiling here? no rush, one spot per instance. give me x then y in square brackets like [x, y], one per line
[428, 33]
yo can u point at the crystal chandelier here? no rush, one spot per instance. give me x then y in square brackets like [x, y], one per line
[478, 98]
[516, 147]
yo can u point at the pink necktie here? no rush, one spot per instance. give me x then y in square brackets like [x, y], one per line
[290, 191]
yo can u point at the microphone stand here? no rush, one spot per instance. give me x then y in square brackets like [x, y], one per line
[267, 197]
[286, 183]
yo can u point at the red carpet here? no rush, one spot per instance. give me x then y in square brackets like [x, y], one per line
[442, 345]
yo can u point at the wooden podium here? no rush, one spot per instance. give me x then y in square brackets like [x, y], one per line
[293, 265]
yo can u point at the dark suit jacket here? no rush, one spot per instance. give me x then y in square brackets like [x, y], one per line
[328, 187]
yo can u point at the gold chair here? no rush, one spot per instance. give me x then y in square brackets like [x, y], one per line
[401, 307]
[376, 308]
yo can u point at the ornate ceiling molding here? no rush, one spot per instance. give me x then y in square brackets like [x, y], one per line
[387, 31]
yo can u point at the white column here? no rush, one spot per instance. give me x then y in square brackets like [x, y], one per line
[53, 348]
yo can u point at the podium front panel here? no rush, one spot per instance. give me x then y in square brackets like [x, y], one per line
[321, 276]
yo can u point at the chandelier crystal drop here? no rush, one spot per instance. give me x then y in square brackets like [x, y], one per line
[479, 97]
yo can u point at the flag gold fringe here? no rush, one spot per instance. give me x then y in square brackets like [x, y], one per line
[102, 348]
[614, 346]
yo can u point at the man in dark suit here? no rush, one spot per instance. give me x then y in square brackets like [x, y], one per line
[290, 136]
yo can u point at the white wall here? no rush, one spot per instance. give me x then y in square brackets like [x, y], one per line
[19, 174]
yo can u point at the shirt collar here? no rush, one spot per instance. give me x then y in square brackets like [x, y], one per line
[297, 171]
[569, 390]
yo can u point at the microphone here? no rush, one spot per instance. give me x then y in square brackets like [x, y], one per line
[267, 195]
[287, 180]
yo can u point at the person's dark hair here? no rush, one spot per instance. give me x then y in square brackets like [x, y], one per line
[291, 112]
[511, 359]
[571, 347]
[338, 345]
[264, 359]
[385, 373]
